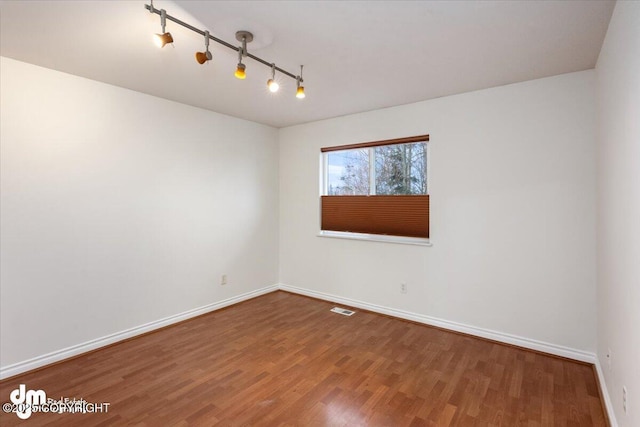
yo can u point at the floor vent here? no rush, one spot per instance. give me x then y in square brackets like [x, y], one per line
[343, 311]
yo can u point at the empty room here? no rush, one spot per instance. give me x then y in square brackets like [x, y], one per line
[320, 213]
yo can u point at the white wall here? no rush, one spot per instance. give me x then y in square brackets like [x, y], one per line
[512, 212]
[618, 83]
[120, 209]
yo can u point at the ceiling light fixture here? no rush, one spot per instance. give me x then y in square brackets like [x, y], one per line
[299, 89]
[272, 84]
[243, 36]
[205, 56]
[240, 70]
[165, 37]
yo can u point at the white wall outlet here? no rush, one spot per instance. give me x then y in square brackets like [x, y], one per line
[609, 358]
[223, 279]
[624, 399]
[403, 288]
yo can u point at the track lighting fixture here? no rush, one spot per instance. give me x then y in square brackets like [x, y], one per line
[300, 91]
[242, 36]
[272, 84]
[205, 56]
[240, 69]
[299, 88]
[165, 37]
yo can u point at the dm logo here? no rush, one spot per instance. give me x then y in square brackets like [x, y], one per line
[25, 400]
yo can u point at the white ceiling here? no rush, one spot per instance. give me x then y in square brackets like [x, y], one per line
[358, 55]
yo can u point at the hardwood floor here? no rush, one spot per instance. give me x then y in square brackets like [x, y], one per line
[284, 359]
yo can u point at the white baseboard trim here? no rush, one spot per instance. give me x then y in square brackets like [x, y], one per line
[605, 394]
[558, 350]
[65, 353]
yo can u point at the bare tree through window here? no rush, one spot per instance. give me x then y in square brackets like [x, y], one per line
[399, 169]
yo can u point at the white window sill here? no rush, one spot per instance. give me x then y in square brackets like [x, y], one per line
[419, 241]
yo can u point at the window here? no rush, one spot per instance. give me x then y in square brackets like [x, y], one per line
[377, 188]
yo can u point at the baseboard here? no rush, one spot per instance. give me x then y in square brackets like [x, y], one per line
[558, 350]
[604, 393]
[65, 353]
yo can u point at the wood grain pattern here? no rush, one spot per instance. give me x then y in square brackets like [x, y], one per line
[284, 359]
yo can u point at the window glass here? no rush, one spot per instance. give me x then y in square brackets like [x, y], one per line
[401, 169]
[348, 172]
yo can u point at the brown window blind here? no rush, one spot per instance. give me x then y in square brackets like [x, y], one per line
[393, 215]
[410, 139]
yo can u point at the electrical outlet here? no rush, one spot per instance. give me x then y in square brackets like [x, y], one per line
[403, 288]
[624, 399]
[609, 358]
[223, 279]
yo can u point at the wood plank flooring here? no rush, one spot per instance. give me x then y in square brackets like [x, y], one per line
[284, 359]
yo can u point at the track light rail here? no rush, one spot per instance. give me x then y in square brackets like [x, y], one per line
[152, 9]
